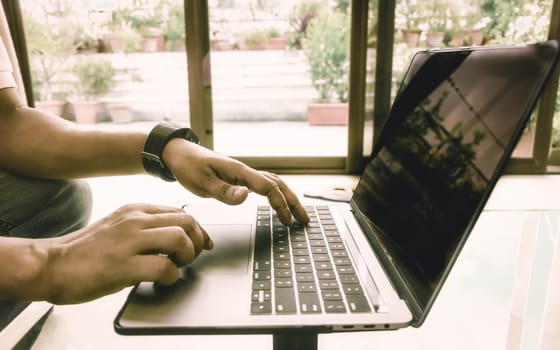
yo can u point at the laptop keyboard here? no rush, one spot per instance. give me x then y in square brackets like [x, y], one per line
[303, 269]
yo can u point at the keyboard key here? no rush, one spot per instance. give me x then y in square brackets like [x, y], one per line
[334, 239]
[305, 277]
[331, 295]
[303, 268]
[319, 250]
[309, 303]
[306, 287]
[261, 265]
[283, 283]
[261, 275]
[298, 238]
[281, 248]
[282, 264]
[326, 275]
[335, 306]
[281, 256]
[302, 260]
[332, 233]
[261, 295]
[357, 303]
[264, 308]
[323, 265]
[321, 257]
[339, 254]
[283, 273]
[300, 252]
[342, 261]
[285, 299]
[349, 279]
[345, 270]
[352, 289]
[337, 246]
[328, 284]
[315, 236]
[315, 230]
[300, 245]
[317, 243]
[261, 285]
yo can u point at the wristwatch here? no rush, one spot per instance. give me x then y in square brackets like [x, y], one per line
[160, 135]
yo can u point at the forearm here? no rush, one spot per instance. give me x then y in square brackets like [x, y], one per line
[38, 144]
[23, 265]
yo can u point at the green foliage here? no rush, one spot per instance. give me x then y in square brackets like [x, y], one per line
[50, 41]
[140, 16]
[556, 123]
[95, 77]
[299, 19]
[174, 26]
[255, 37]
[327, 49]
[409, 10]
[515, 21]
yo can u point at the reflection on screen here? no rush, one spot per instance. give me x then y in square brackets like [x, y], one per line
[446, 135]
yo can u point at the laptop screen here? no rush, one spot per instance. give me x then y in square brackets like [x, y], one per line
[450, 131]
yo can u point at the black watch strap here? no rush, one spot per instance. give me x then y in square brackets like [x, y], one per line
[160, 135]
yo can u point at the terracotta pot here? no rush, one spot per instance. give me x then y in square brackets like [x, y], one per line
[476, 37]
[55, 107]
[411, 36]
[327, 113]
[120, 113]
[435, 39]
[85, 112]
[276, 44]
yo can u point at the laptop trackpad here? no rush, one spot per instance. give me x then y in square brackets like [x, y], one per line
[231, 252]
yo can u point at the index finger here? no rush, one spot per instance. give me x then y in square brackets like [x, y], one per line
[281, 198]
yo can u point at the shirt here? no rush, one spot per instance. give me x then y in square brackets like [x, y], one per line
[6, 71]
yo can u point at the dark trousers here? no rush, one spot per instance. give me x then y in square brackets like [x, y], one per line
[35, 208]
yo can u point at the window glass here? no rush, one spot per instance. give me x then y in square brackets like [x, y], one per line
[120, 64]
[280, 77]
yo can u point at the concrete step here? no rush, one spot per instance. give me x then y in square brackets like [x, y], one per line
[246, 85]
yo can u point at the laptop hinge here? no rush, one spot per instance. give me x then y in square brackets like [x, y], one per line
[403, 289]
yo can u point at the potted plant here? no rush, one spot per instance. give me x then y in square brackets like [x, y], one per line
[411, 33]
[174, 28]
[94, 77]
[299, 19]
[438, 24]
[50, 43]
[275, 40]
[327, 51]
[255, 39]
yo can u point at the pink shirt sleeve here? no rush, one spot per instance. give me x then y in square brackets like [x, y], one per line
[6, 77]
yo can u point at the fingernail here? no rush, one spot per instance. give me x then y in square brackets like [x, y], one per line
[209, 244]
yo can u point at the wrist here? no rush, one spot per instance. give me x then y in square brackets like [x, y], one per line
[29, 280]
[172, 152]
[156, 143]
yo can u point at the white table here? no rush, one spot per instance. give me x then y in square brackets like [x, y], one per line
[473, 311]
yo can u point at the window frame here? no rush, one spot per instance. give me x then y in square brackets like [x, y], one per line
[198, 51]
[543, 160]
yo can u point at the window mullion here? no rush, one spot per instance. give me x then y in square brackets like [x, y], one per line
[198, 64]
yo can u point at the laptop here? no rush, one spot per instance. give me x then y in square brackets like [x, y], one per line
[379, 261]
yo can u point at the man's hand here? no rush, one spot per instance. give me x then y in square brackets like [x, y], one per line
[136, 243]
[209, 174]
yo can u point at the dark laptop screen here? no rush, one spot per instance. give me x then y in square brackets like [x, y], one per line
[439, 155]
